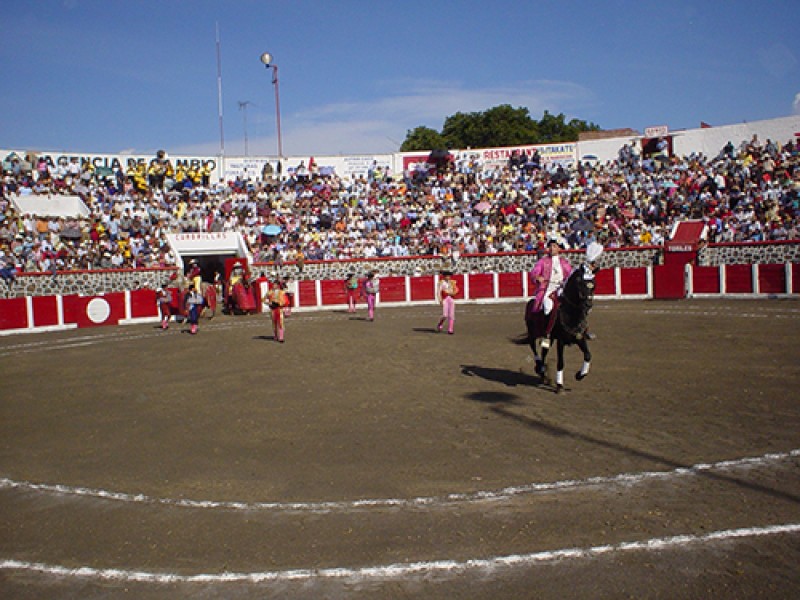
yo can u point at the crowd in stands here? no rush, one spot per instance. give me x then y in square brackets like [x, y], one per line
[749, 192]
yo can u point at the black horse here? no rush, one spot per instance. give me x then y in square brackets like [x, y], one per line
[569, 327]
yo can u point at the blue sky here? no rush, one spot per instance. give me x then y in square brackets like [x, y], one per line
[106, 76]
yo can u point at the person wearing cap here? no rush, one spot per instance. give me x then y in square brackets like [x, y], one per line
[276, 300]
[288, 286]
[547, 277]
[7, 269]
[371, 289]
[445, 295]
[194, 274]
[164, 299]
[194, 304]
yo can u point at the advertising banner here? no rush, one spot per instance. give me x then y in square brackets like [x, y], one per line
[111, 162]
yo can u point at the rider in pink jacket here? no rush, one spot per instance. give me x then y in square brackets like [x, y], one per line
[548, 275]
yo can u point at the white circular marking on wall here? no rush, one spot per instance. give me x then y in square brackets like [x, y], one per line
[98, 310]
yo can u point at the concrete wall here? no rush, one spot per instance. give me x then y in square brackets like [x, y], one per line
[98, 282]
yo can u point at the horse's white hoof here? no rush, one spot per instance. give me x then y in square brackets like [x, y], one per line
[580, 376]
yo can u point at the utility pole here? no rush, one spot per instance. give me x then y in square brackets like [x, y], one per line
[243, 104]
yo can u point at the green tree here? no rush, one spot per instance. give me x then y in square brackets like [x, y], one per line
[422, 138]
[499, 126]
[553, 128]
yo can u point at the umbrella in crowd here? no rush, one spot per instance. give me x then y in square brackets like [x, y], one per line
[583, 224]
[271, 229]
[440, 157]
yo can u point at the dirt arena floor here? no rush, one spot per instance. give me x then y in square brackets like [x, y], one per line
[383, 460]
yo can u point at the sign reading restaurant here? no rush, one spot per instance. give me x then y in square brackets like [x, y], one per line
[550, 154]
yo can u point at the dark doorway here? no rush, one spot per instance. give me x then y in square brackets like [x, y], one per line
[210, 265]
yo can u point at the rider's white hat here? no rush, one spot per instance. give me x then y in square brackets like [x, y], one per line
[593, 252]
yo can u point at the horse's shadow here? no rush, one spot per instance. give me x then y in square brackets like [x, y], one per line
[521, 340]
[494, 398]
[505, 376]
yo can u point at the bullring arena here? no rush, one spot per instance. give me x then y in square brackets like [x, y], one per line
[383, 460]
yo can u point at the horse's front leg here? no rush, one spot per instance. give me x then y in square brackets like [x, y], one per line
[541, 365]
[559, 366]
[587, 359]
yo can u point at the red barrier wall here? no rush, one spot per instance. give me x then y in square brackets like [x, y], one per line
[604, 283]
[796, 278]
[332, 292]
[705, 280]
[19, 314]
[510, 284]
[668, 282]
[393, 289]
[93, 311]
[143, 304]
[633, 281]
[738, 279]
[45, 311]
[13, 313]
[307, 290]
[422, 288]
[771, 279]
[481, 285]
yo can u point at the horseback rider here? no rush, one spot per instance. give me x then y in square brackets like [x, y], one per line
[194, 274]
[547, 278]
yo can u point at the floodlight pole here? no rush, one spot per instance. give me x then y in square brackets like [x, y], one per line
[266, 58]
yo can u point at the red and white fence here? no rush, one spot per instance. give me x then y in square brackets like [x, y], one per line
[49, 313]
[743, 280]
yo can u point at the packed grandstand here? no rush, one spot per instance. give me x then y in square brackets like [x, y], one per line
[745, 192]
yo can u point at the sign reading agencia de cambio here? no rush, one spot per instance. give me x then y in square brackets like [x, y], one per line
[109, 161]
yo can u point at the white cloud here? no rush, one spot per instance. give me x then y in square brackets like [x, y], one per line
[379, 126]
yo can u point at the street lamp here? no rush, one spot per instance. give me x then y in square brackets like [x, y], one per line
[266, 58]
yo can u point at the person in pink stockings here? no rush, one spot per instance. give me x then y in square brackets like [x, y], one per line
[445, 295]
[372, 287]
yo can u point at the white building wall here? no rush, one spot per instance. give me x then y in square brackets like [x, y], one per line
[709, 140]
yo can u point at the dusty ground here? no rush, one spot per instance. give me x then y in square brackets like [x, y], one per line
[231, 453]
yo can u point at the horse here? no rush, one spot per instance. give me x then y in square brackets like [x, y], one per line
[569, 327]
